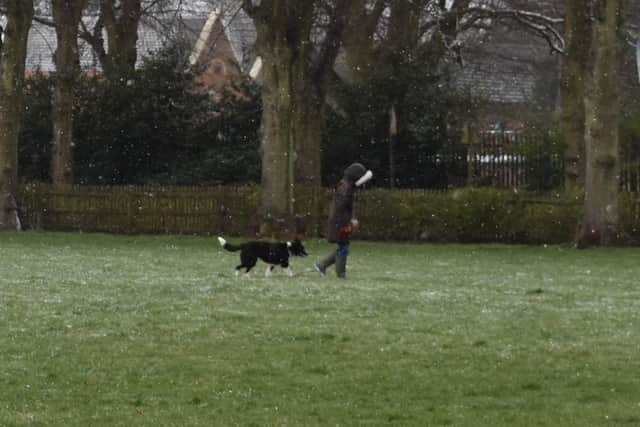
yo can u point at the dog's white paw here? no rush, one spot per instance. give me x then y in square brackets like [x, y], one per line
[222, 241]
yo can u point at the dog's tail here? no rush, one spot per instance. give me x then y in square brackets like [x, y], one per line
[227, 246]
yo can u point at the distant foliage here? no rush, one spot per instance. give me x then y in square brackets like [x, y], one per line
[630, 135]
[466, 215]
[630, 150]
[153, 129]
[461, 215]
[430, 119]
[544, 153]
[36, 132]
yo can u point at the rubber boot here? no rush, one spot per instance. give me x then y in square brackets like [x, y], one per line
[341, 266]
[322, 265]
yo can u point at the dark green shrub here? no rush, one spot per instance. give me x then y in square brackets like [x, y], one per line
[466, 215]
[430, 115]
[36, 131]
[630, 217]
[483, 214]
[552, 220]
[153, 129]
[630, 151]
[544, 153]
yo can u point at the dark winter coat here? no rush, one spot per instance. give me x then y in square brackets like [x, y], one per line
[341, 210]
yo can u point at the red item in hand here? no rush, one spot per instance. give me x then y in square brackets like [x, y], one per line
[345, 231]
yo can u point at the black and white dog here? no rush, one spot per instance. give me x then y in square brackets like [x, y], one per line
[273, 253]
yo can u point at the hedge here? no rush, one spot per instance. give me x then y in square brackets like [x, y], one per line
[461, 215]
[468, 215]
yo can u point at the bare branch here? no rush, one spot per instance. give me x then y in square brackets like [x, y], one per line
[331, 44]
[46, 21]
[256, 9]
[542, 25]
[631, 34]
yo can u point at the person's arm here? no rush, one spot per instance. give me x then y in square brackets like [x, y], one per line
[343, 205]
[343, 211]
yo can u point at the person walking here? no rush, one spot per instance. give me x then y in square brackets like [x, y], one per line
[341, 221]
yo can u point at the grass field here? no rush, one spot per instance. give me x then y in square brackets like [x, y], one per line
[102, 330]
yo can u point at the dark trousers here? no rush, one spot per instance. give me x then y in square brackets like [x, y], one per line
[337, 257]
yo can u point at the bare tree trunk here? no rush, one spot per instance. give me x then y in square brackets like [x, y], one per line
[12, 67]
[291, 131]
[307, 130]
[602, 118]
[358, 40]
[393, 135]
[577, 33]
[294, 78]
[66, 14]
[119, 54]
[278, 154]
[122, 31]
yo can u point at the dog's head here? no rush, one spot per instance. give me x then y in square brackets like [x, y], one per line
[296, 248]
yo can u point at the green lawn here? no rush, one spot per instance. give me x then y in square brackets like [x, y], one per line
[102, 330]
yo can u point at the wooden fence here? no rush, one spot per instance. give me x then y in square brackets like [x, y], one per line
[186, 210]
[458, 215]
[141, 209]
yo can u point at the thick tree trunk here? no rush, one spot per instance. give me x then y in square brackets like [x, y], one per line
[393, 136]
[358, 40]
[294, 76]
[292, 115]
[122, 33]
[292, 123]
[602, 118]
[307, 128]
[12, 67]
[577, 33]
[278, 153]
[66, 14]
